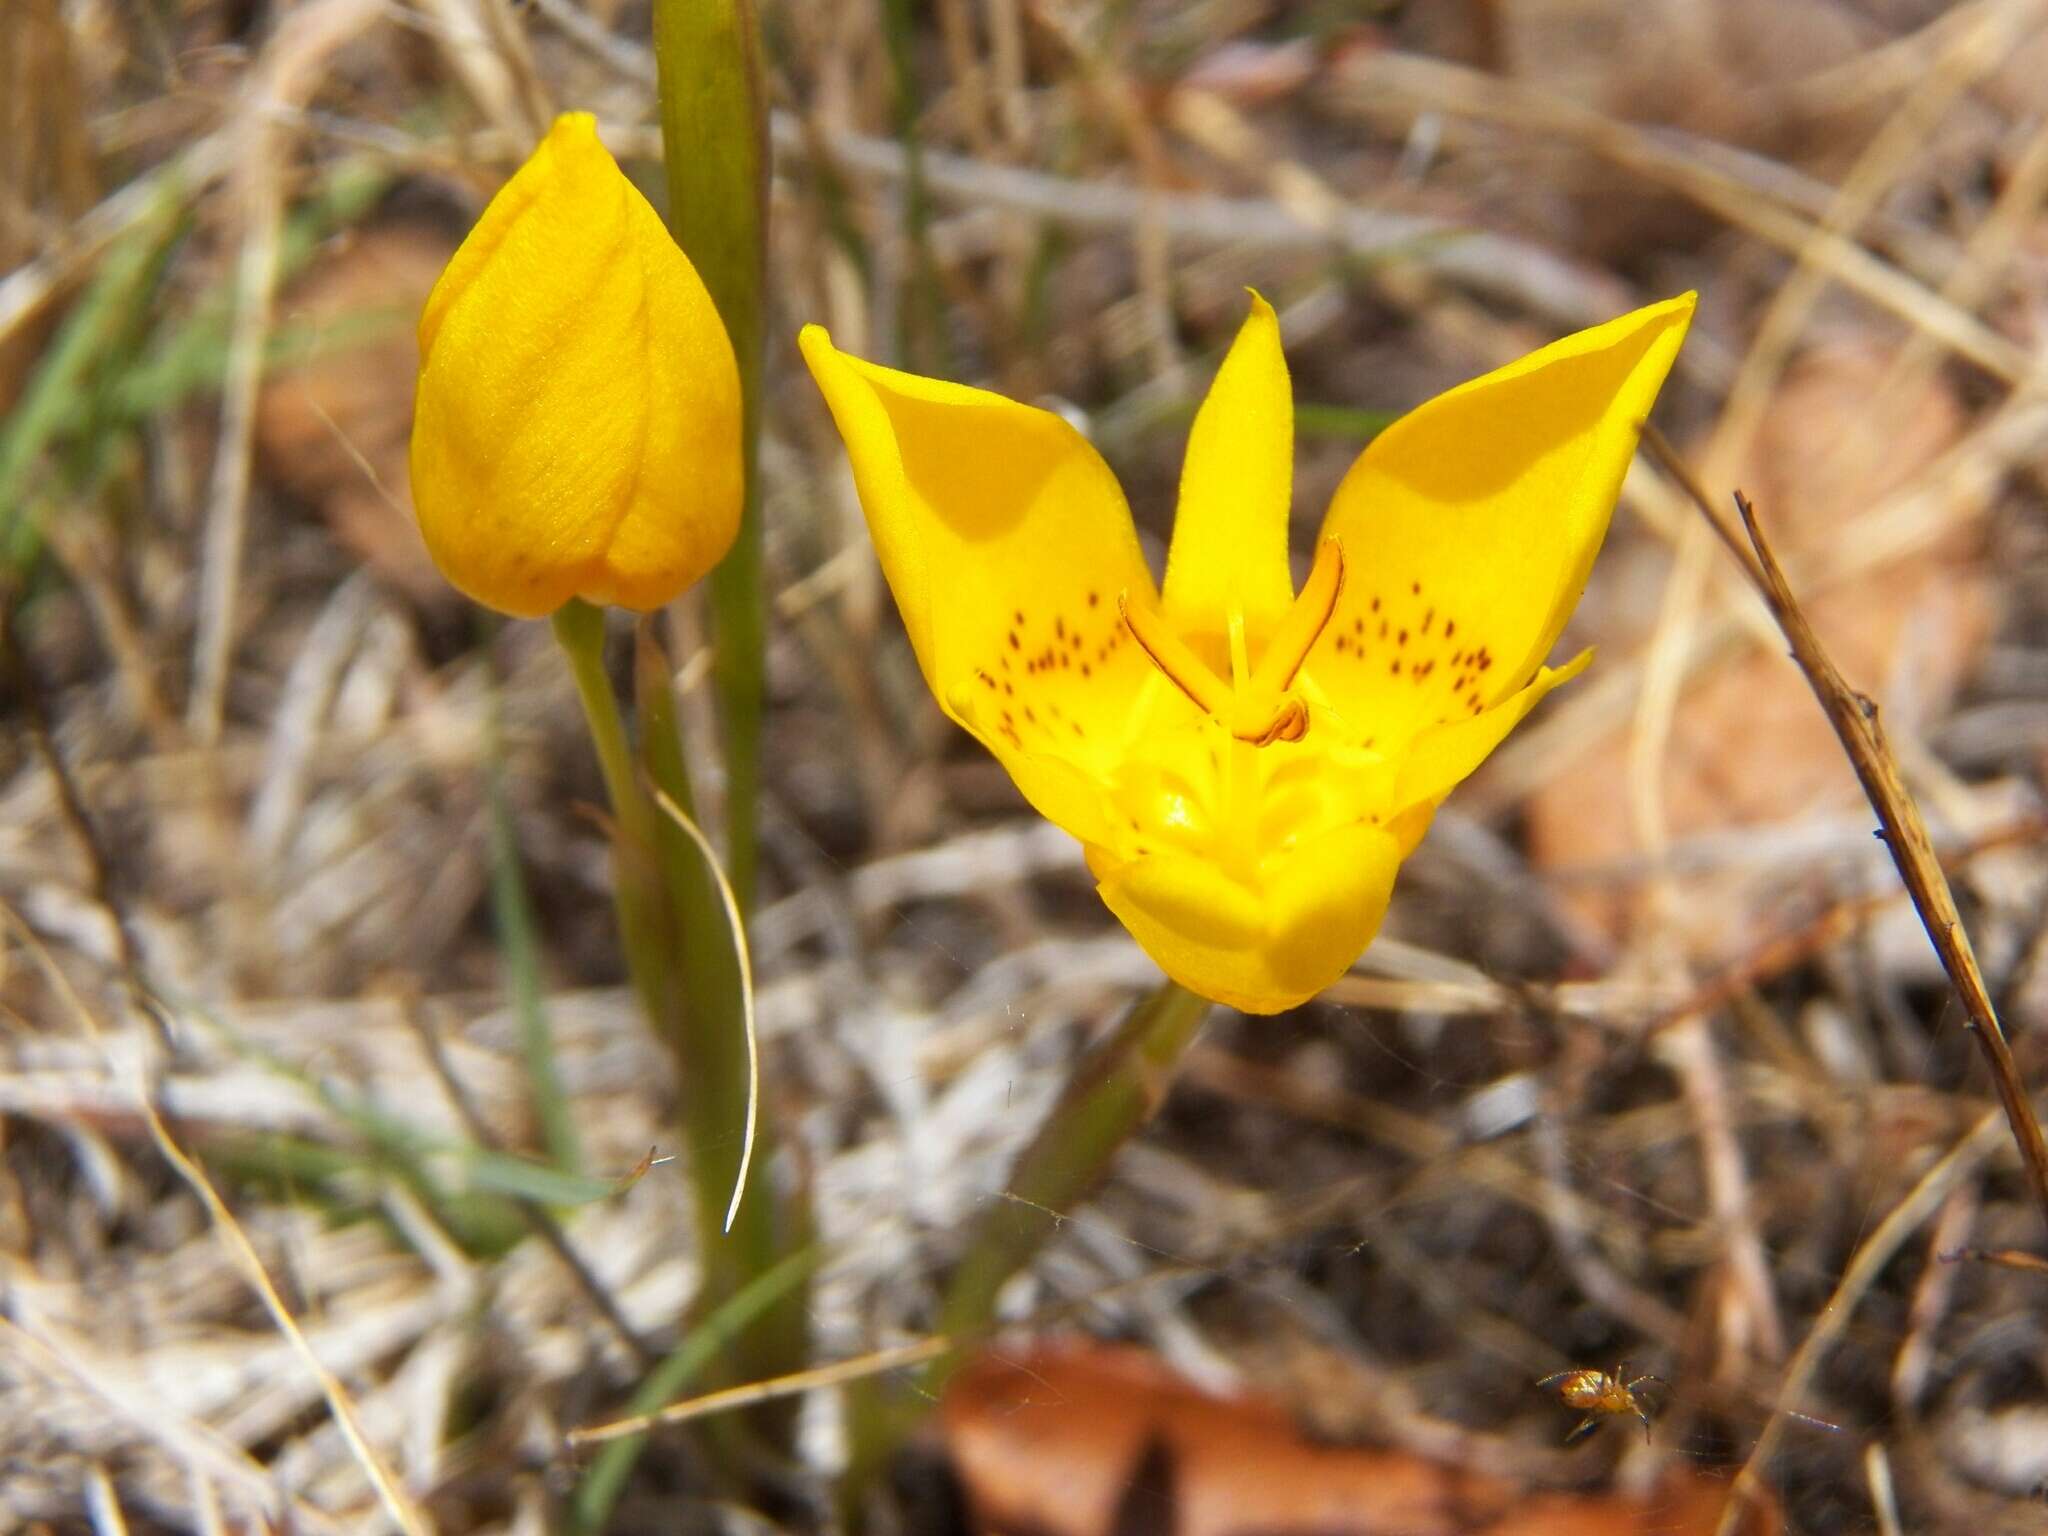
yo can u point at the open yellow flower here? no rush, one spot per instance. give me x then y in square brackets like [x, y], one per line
[577, 427]
[1246, 765]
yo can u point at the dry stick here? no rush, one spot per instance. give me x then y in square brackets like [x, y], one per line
[292, 68]
[1868, 1261]
[2009, 1258]
[395, 1503]
[400, 1509]
[1877, 1468]
[537, 1217]
[206, 1454]
[1388, 80]
[1854, 717]
[836, 1374]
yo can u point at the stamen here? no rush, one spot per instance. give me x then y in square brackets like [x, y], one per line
[1170, 654]
[1303, 624]
[1257, 710]
[1290, 724]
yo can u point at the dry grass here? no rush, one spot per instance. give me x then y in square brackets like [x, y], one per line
[1653, 1060]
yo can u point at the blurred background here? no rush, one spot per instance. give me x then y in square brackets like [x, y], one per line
[1650, 1047]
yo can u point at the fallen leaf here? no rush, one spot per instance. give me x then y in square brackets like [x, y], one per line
[1749, 746]
[332, 431]
[1083, 1439]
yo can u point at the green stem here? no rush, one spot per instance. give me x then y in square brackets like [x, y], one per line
[680, 951]
[1111, 1093]
[644, 925]
[714, 130]
[605, 1479]
[710, 1047]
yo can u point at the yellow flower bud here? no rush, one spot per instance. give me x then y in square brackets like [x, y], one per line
[577, 427]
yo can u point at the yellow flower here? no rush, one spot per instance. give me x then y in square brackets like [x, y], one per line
[1247, 766]
[577, 427]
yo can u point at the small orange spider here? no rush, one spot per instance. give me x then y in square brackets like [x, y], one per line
[1599, 1395]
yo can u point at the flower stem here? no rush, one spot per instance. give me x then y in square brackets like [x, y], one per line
[680, 953]
[636, 883]
[710, 1043]
[714, 130]
[1111, 1093]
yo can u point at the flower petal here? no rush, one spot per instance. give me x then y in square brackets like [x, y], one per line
[1470, 525]
[1259, 950]
[577, 426]
[1006, 542]
[1230, 531]
[1443, 755]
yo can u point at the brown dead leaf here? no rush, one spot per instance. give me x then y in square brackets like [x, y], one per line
[1081, 1439]
[333, 431]
[1748, 745]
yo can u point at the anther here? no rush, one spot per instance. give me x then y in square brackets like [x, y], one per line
[1170, 654]
[1265, 712]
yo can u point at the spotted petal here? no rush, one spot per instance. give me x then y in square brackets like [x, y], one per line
[1007, 544]
[1472, 523]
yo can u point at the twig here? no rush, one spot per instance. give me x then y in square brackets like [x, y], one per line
[143, 998]
[102, 1504]
[28, 688]
[129, 1405]
[1387, 81]
[1865, 1265]
[1747, 1306]
[292, 70]
[834, 1375]
[395, 1503]
[543, 1225]
[1855, 719]
[1877, 1467]
[1931, 1293]
[2008, 1258]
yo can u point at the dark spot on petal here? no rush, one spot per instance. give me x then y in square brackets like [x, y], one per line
[1094, 598]
[1450, 628]
[1015, 643]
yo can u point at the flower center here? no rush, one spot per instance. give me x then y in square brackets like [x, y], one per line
[1256, 705]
